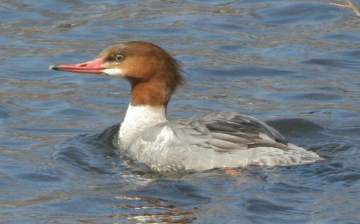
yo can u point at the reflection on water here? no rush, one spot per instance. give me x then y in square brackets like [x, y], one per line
[295, 63]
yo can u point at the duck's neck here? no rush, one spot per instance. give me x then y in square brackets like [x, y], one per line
[137, 119]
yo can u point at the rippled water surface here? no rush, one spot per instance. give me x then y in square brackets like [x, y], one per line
[295, 63]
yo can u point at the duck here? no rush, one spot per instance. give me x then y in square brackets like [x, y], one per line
[218, 140]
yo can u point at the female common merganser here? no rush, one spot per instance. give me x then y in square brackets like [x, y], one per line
[217, 140]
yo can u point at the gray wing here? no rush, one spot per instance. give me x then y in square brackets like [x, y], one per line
[230, 131]
[225, 132]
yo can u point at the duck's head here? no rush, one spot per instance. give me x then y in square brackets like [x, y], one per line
[151, 71]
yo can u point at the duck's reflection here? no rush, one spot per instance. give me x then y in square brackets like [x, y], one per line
[152, 210]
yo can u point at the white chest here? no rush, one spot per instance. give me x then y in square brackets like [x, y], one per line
[137, 119]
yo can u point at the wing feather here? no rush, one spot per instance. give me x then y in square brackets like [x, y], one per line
[222, 132]
[226, 132]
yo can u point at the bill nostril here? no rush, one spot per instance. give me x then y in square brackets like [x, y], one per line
[82, 65]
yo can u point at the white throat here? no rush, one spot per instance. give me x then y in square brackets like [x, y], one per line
[137, 119]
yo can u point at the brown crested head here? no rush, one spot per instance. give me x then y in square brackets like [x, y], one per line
[152, 72]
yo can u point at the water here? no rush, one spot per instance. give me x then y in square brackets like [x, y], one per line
[295, 63]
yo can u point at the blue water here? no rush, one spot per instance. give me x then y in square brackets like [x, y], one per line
[294, 63]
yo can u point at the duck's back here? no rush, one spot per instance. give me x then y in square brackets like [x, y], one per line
[216, 140]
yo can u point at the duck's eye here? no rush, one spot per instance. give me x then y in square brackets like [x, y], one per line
[119, 57]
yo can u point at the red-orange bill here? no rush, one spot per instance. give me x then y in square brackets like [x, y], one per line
[93, 66]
